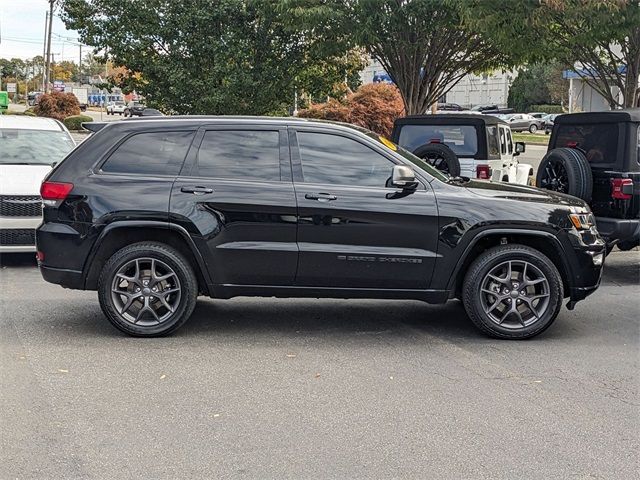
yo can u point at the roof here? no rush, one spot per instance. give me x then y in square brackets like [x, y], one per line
[452, 119]
[25, 122]
[613, 116]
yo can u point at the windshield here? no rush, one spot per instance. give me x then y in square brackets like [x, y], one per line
[33, 147]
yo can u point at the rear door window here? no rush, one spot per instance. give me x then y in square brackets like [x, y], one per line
[462, 139]
[493, 142]
[598, 141]
[240, 155]
[150, 153]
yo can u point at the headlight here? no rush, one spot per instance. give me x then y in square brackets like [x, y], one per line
[582, 221]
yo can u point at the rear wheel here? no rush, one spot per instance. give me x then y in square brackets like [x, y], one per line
[147, 289]
[512, 292]
[439, 156]
[566, 170]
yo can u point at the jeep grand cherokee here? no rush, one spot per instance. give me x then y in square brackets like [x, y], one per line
[153, 213]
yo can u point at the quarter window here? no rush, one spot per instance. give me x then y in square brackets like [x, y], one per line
[337, 160]
[150, 153]
[240, 154]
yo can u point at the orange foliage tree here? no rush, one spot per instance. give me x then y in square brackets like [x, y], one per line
[57, 105]
[374, 106]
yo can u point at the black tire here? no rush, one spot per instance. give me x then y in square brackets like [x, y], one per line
[126, 113]
[182, 281]
[566, 170]
[439, 156]
[533, 128]
[527, 322]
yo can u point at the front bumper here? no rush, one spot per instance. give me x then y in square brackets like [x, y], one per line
[17, 234]
[615, 230]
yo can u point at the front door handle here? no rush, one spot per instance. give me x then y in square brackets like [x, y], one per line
[196, 190]
[321, 197]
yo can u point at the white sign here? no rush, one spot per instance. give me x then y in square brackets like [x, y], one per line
[11, 88]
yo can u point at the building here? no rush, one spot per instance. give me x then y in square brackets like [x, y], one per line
[472, 90]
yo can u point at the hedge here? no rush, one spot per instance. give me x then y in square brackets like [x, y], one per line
[57, 105]
[74, 122]
[545, 108]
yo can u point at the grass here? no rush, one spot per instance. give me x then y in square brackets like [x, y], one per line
[531, 138]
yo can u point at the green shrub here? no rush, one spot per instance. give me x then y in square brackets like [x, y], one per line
[74, 122]
[57, 105]
[28, 113]
[545, 108]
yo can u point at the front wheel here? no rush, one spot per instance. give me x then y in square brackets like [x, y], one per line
[533, 128]
[512, 292]
[147, 289]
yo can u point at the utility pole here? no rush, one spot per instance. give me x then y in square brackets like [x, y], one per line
[80, 66]
[44, 50]
[48, 60]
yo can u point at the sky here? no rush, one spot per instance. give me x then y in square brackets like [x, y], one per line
[22, 32]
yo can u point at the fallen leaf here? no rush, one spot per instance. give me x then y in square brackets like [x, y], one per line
[537, 381]
[291, 355]
[216, 415]
[390, 378]
[317, 375]
[62, 370]
[163, 376]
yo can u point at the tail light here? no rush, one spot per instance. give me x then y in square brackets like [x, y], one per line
[483, 172]
[621, 188]
[51, 192]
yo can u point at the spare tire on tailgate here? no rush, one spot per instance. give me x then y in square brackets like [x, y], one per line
[566, 170]
[439, 156]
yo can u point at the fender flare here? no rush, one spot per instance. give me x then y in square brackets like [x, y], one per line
[509, 231]
[148, 224]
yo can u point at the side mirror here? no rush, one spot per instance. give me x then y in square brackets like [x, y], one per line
[520, 148]
[403, 177]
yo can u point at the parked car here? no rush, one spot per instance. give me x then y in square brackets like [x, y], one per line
[134, 109]
[523, 122]
[29, 146]
[596, 157]
[492, 109]
[548, 122]
[118, 107]
[450, 107]
[155, 212]
[471, 145]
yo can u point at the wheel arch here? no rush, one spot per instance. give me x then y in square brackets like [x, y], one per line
[119, 234]
[545, 242]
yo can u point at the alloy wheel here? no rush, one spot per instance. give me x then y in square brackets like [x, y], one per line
[555, 177]
[145, 291]
[515, 294]
[437, 161]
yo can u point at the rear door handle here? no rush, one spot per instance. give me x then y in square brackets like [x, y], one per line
[321, 197]
[196, 190]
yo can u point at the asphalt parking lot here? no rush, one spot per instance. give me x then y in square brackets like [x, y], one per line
[266, 388]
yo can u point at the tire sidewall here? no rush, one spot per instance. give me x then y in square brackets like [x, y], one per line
[489, 260]
[178, 264]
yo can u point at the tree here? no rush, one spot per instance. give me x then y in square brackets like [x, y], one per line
[425, 46]
[64, 70]
[598, 39]
[199, 56]
[536, 84]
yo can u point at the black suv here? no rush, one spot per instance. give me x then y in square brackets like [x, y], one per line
[596, 156]
[155, 212]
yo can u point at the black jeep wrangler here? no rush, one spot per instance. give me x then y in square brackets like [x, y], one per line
[596, 156]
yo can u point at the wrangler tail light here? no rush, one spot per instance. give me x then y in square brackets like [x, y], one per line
[621, 188]
[51, 192]
[483, 172]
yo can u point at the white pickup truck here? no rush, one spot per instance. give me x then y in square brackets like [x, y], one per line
[463, 144]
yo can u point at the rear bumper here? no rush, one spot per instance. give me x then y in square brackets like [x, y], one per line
[615, 230]
[66, 278]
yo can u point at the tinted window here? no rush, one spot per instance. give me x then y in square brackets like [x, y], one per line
[598, 141]
[240, 154]
[151, 153]
[339, 160]
[462, 139]
[492, 141]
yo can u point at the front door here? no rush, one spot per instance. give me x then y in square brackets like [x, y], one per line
[235, 197]
[353, 230]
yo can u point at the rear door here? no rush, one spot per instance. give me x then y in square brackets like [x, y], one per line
[235, 197]
[353, 230]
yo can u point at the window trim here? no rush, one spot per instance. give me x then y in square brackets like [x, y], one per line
[97, 169]
[296, 157]
[190, 168]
